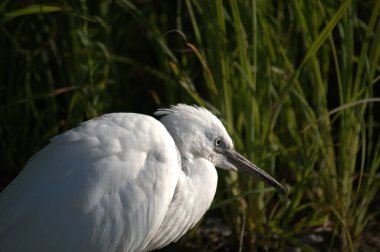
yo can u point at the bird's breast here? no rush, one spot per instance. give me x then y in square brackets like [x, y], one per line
[192, 198]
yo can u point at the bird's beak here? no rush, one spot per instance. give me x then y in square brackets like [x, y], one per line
[242, 164]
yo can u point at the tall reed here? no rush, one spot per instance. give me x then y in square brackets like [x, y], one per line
[293, 82]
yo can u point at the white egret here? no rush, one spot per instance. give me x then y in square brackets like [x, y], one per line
[120, 182]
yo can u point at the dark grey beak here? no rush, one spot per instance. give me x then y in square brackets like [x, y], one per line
[243, 165]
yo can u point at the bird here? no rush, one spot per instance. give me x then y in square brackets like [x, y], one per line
[120, 182]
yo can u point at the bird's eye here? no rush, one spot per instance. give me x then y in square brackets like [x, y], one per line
[218, 142]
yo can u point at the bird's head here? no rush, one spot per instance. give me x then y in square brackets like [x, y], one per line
[199, 133]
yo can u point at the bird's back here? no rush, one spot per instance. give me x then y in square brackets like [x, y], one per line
[103, 186]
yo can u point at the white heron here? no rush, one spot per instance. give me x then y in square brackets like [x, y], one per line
[120, 182]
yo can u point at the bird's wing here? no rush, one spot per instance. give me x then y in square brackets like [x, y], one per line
[103, 186]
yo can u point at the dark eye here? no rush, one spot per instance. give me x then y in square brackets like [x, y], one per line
[218, 142]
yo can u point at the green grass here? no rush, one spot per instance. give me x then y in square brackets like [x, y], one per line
[293, 81]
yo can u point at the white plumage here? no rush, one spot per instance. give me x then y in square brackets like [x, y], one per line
[120, 182]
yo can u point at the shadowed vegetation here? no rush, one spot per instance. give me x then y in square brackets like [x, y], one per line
[295, 82]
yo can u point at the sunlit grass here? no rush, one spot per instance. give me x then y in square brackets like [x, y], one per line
[276, 69]
[293, 81]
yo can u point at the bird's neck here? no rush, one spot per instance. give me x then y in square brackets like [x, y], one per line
[199, 183]
[193, 195]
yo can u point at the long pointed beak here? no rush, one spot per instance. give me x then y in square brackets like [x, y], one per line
[244, 165]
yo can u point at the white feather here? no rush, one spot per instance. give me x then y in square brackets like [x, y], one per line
[120, 182]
